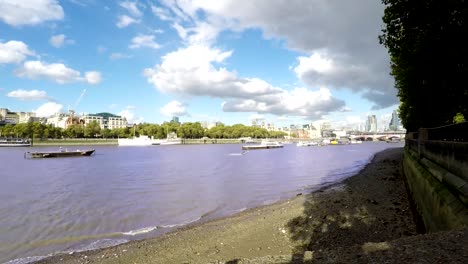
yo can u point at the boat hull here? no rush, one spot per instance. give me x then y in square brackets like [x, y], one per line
[15, 144]
[259, 147]
[61, 154]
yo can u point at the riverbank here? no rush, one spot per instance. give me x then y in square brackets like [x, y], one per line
[75, 142]
[367, 218]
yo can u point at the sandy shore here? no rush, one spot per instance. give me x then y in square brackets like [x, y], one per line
[365, 219]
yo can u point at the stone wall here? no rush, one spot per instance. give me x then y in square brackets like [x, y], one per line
[436, 168]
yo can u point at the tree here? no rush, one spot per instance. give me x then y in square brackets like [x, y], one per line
[92, 129]
[429, 59]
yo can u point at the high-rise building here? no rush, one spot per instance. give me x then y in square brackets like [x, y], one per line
[395, 122]
[371, 123]
[175, 119]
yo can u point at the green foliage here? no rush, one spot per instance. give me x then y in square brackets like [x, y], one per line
[458, 118]
[429, 59]
[93, 129]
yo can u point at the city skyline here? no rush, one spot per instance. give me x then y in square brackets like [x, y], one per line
[199, 60]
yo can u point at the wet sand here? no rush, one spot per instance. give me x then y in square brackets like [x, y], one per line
[366, 219]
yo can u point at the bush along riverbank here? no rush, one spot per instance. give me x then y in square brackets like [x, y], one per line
[365, 219]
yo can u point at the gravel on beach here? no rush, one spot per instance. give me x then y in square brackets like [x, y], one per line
[366, 218]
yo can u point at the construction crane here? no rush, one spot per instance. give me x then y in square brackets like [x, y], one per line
[71, 112]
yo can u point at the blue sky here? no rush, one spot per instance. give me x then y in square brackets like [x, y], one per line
[288, 62]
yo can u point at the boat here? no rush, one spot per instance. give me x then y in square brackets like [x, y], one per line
[171, 139]
[393, 140]
[265, 144]
[142, 140]
[59, 154]
[14, 142]
[306, 144]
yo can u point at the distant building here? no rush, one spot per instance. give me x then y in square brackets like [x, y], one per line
[371, 124]
[58, 120]
[339, 133]
[106, 120]
[25, 117]
[175, 119]
[395, 121]
[9, 117]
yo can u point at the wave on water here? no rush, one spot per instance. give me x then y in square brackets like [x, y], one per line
[101, 243]
[26, 260]
[140, 231]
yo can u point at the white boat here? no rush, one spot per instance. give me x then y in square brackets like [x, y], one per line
[306, 144]
[171, 139]
[14, 142]
[265, 144]
[137, 141]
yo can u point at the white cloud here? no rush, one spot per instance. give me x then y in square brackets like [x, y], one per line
[48, 109]
[161, 13]
[141, 41]
[129, 114]
[309, 104]
[59, 40]
[118, 56]
[125, 21]
[14, 52]
[131, 7]
[29, 12]
[339, 37]
[174, 108]
[30, 95]
[93, 77]
[56, 72]
[194, 71]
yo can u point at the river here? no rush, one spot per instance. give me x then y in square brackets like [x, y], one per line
[126, 193]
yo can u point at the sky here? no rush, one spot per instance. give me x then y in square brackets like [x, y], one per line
[285, 62]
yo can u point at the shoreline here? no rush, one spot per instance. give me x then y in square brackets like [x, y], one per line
[360, 219]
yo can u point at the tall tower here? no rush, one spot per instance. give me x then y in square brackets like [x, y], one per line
[371, 123]
[395, 122]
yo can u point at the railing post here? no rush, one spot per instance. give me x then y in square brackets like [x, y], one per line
[423, 136]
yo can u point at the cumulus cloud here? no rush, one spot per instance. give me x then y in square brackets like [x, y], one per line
[59, 40]
[48, 109]
[93, 77]
[338, 37]
[174, 108]
[124, 21]
[29, 12]
[30, 95]
[192, 70]
[312, 105]
[195, 70]
[131, 7]
[56, 72]
[14, 52]
[129, 114]
[142, 41]
[161, 13]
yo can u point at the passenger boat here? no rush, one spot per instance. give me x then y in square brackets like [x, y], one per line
[59, 154]
[14, 142]
[306, 144]
[265, 144]
[171, 139]
[137, 141]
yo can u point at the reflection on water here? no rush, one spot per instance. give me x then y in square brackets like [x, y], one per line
[123, 193]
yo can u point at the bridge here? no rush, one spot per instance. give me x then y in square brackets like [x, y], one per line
[381, 136]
